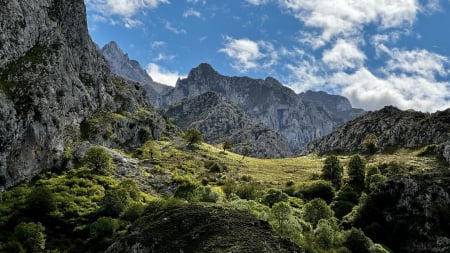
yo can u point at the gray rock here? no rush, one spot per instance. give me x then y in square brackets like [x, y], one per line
[266, 101]
[51, 79]
[392, 127]
[121, 65]
[217, 119]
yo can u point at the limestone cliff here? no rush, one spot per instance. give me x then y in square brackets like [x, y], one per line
[392, 127]
[217, 119]
[51, 79]
[123, 66]
[266, 101]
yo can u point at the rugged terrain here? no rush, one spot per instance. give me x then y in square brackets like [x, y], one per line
[51, 80]
[219, 120]
[392, 128]
[267, 101]
[122, 65]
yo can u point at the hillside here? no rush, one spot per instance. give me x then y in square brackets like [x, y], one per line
[266, 101]
[392, 128]
[51, 80]
[218, 120]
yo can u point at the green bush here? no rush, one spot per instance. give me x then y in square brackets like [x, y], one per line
[40, 203]
[98, 160]
[356, 241]
[133, 211]
[356, 170]
[103, 227]
[205, 194]
[316, 210]
[316, 189]
[193, 136]
[12, 246]
[332, 170]
[370, 144]
[31, 236]
[274, 196]
[215, 167]
[281, 211]
[229, 187]
[248, 191]
[186, 186]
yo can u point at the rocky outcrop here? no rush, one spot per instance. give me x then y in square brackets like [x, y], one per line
[51, 80]
[201, 229]
[121, 65]
[218, 119]
[409, 213]
[391, 126]
[338, 105]
[266, 101]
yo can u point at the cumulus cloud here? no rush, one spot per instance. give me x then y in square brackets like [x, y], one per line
[162, 75]
[344, 55]
[125, 8]
[347, 17]
[247, 54]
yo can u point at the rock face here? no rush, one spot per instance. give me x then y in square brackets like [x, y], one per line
[267, 101]
[121, 65]
[51, 80]
[338, 105]
[392, 127]
[201, 229]
[217, 119]
[410, 213]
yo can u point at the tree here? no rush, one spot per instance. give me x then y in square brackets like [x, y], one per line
[103, 227]
[325, 233]
[118, 199]
[193, 136]
[226, 145]
[274, 196]
[370, 144]
[40, 202]
[281, 211]
[356, 241]
[356, 170]
[332, 170]
[31, 236]
[316, 210]
[98, 160]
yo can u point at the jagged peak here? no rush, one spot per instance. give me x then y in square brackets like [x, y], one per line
[112, 45]
[202, 70]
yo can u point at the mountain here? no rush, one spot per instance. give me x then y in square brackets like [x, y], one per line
[218, 119]
[338, 105]
[121, 65]
[391, 126]
[55, 87]
[268, 101]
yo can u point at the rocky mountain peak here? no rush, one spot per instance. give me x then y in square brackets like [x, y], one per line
[203, 71]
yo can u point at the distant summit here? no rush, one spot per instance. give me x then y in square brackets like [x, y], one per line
[122, 65]
[299, 118]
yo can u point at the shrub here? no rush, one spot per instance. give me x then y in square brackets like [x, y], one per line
[133, 212]
[332, 170]
[215, 167]
[281, 211]
[317, 189]
[226, 145]
[356, 241]
[186, 186]
[248, 191]
[205, 194]
[325, 234]
[274, 196]
[12, 246]
[103, 227]
[229, 187]
[31, 235]
[193, 136]
[370, 144]
[98, 160]
[40, 202]
[356, 170]
[316, 210]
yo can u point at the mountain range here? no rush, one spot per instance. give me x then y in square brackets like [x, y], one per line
[299, 118]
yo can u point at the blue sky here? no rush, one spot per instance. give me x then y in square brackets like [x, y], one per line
[374, 52]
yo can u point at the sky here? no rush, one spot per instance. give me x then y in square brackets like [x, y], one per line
[374, 52]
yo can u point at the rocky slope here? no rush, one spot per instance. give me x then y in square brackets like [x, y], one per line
[267, 101]
[218, 119]
[409, 213]
[201, 229]
[51, 80]
[392, 127]
[338, 105]
[121, 65]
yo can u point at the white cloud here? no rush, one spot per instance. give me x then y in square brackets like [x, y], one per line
[164, 76]
[173, 29]
[158, 44]
[163, 57]
[131, 23]
[347, 17]
[247, 54]
[344, 55]
[257, 2]
[196, 1]
[124, 8]
[191, 12]
[368, 91]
